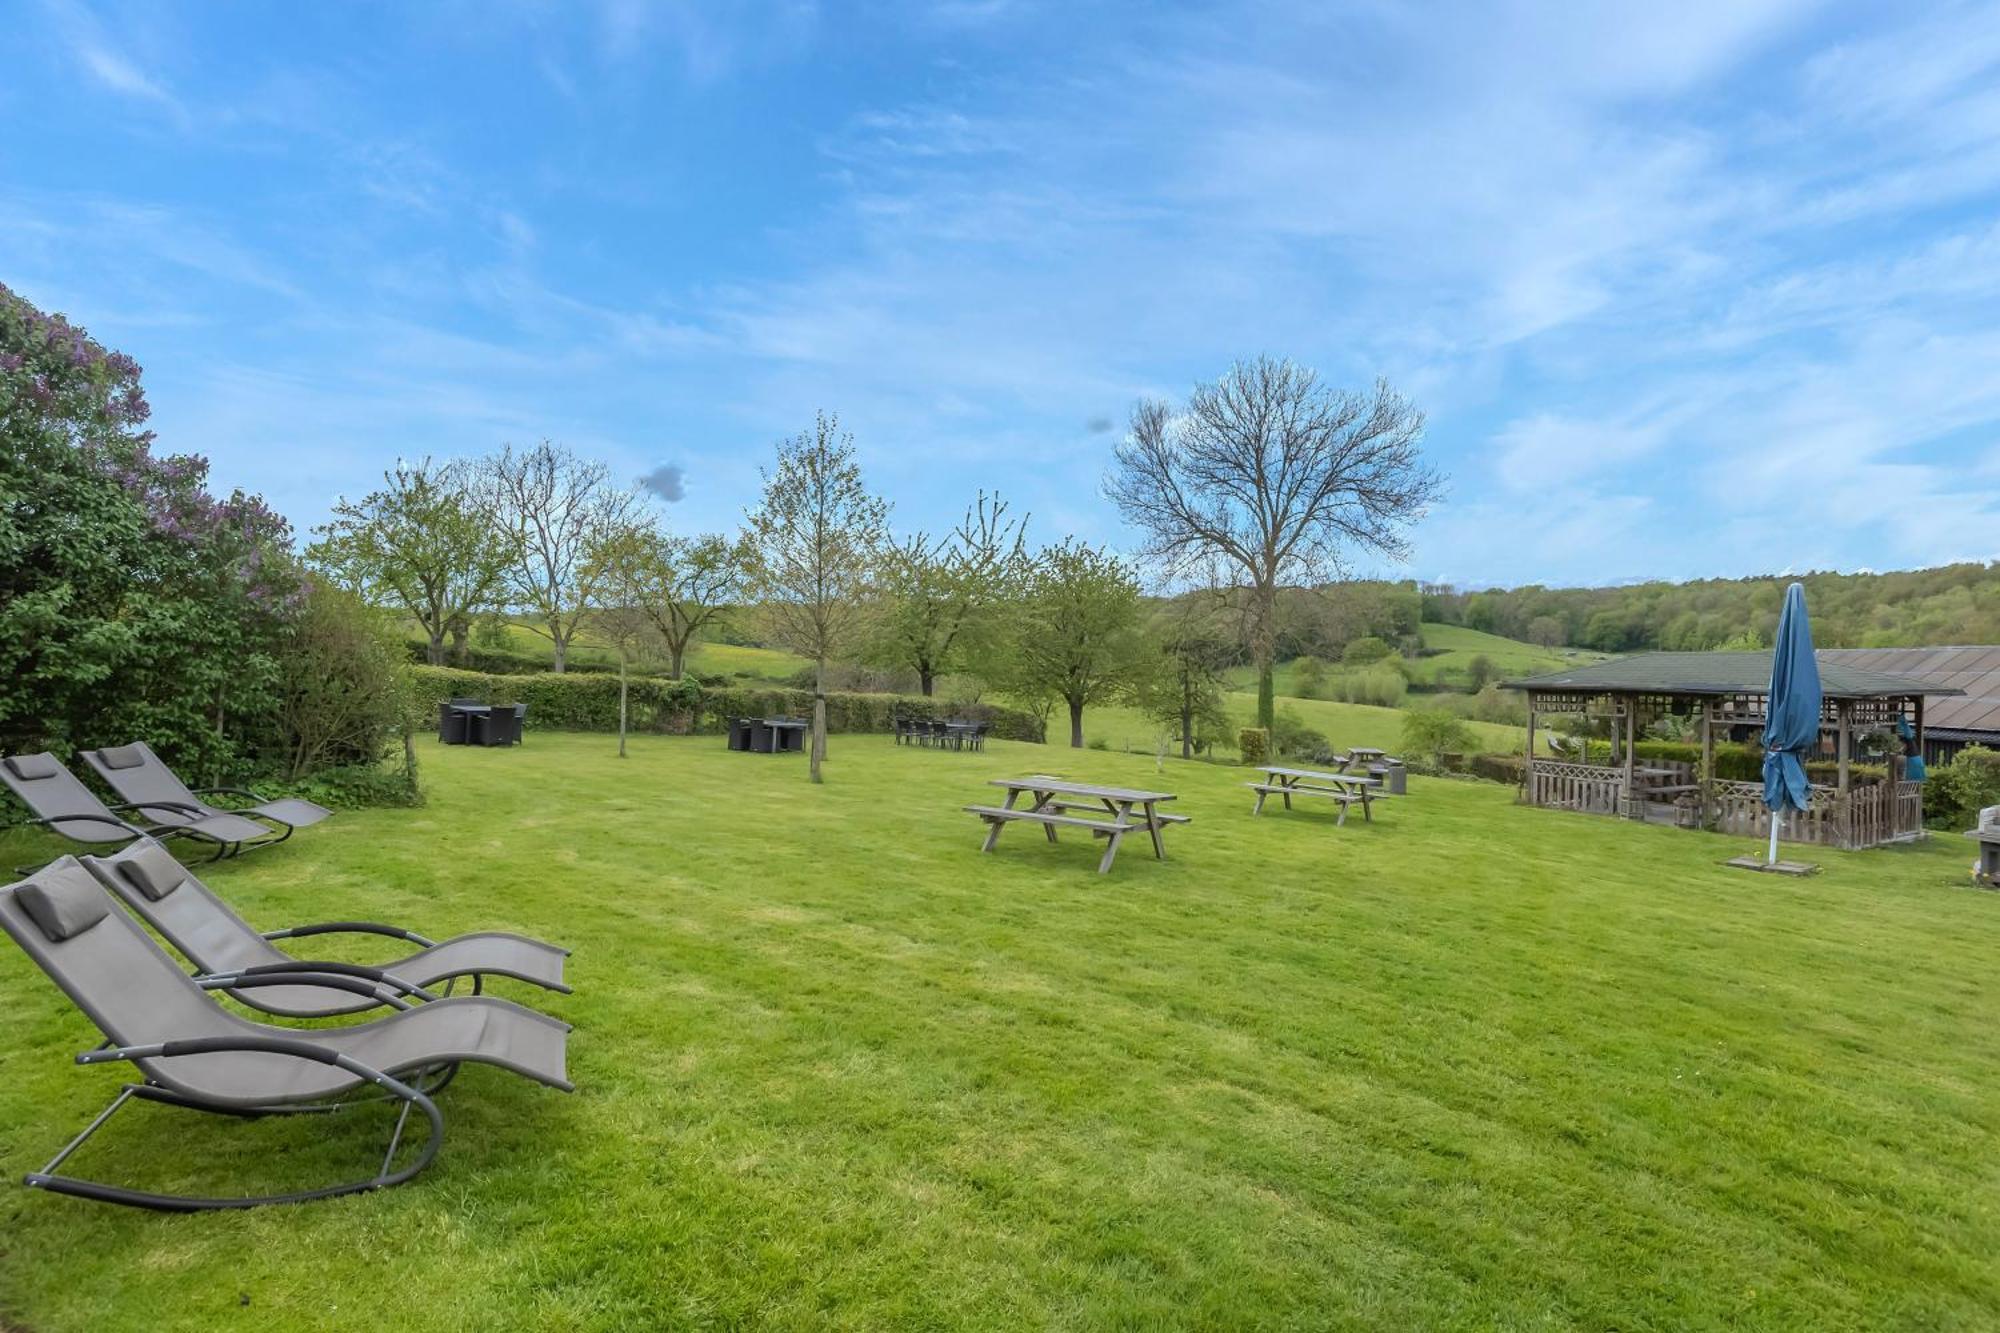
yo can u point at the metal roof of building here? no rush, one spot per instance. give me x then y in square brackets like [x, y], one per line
[1974, 670]
[1724, 673]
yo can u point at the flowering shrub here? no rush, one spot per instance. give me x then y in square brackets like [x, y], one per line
[134, 604]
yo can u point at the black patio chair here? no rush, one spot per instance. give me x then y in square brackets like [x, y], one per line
[451, 724]
[191, 1052]
[763, 739]
[498, 725]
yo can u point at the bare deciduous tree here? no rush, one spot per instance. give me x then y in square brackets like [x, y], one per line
[560, 510]
[622, 569]
[1277, 477]
[817, 537]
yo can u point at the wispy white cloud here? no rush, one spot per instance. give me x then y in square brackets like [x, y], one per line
[1640, 263]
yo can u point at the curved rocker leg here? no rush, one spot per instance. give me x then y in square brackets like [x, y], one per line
[48, 1179]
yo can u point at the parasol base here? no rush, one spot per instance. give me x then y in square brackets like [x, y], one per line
[1772, 867]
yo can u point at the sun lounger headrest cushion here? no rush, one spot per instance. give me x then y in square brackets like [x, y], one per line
[62, 908]
[31, 767]
[154, 876]
[122, 756]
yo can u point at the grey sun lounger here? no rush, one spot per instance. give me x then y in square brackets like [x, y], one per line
[162, 893]
[191, 1052]
[61, 803]
[143, 779]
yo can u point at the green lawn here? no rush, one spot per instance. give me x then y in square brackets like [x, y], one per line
[1342, 724]
[1468, 1066]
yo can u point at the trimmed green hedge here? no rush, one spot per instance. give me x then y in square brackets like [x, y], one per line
[588, 701]
[1511, 769]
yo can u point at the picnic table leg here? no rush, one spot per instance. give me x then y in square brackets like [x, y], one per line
[1153, 827]
[1110, 850]
[1260, 804]
[1340, 820]
[994, 825]
[1367, 815]
[1287, 785]
[1041, 800]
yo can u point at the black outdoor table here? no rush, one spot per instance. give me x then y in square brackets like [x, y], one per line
[767, 735]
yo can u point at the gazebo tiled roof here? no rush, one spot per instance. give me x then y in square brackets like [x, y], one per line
[1720, 674]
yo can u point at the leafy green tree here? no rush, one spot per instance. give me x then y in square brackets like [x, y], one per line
[695, 582]
[1309, 673]
[134, 605]
[424, 542]
[1366, 650]
[341, 687]
[940, 593]
[1431, 733]
[1185, 690]
[1480, 672]
[816, 541]
[1078, 633]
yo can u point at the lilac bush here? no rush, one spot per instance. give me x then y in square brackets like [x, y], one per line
[134, 603]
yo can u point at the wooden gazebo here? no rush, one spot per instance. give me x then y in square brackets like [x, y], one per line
[1725, 694]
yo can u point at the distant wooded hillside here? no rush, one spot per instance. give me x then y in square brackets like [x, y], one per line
[1908, 608]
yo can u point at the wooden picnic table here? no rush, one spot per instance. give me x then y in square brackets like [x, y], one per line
[1358, 756]
[1342, 788]
[1108, 812]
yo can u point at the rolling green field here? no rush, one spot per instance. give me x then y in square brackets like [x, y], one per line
[1450, 650]
[1342, 724]
[705, 659]
[1468, 1066]
[1454, 647]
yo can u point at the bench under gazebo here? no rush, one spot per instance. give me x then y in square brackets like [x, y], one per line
[1723, 697]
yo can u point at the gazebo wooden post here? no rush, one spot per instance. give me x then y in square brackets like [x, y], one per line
[1707, 759]
[1844, 715]
[1920, 728]
[1528, 769]
[1631, 751]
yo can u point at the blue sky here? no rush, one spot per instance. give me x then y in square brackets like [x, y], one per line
[1689, 289]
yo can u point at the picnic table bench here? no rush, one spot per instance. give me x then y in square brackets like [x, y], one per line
[1342, 788]
[1108, 812]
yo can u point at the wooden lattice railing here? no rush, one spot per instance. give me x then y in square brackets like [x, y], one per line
[1869, 815]
[1592, 789]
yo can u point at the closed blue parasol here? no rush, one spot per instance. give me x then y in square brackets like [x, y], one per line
[1792, 724]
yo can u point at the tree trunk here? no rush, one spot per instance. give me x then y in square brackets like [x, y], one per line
[819, 719]
[1263, 648]
[434, 654]
[461, 634]
[677, 655]
[925, 679]
[1187, 729]
[621, 705]
[1076, 724]
[560, 642]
